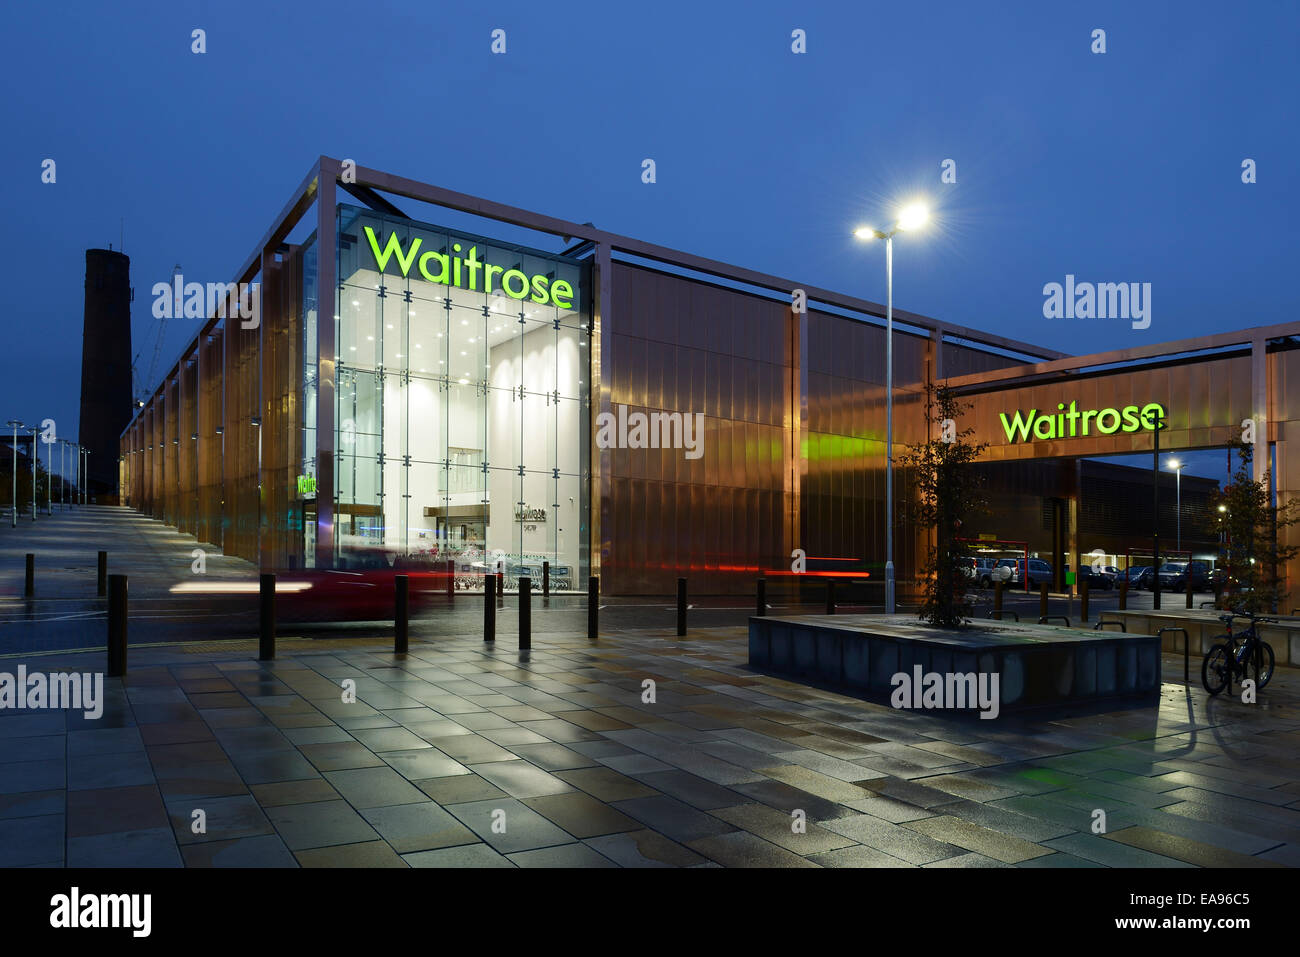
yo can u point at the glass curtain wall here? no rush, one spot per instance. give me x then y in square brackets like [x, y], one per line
[462, 402]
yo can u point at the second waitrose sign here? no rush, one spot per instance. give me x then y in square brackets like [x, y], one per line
[1070, 423]
[454, 271]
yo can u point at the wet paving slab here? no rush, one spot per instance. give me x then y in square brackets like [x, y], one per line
[461, 754]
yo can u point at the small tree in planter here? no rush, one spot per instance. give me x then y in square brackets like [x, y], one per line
[949, 495]
[1249, 550]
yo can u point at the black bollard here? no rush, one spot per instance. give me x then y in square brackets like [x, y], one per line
[117, 626]
[101, 584]
[761, 598]
[1189, 584]
[593, 608]
[266, 617]
[681, 607]
[830, 596]
[401, 613]
[501, 589]
[29, 589]
[1123, 593]
[489, 608]
[1042, 600]
[997, 599]
[451, 580]
[546, 579]
[525, 613]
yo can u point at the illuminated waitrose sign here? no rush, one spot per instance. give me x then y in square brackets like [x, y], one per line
[452, 270]
[1071, 423]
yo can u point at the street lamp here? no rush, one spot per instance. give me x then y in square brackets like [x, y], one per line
[1178, 467]
[35, 430]
[911, 217]
[16, 425]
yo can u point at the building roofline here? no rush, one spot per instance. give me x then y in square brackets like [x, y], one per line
[367, 180]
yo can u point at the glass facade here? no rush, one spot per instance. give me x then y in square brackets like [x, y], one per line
[462, 409]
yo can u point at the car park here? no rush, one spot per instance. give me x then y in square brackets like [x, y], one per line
[1039, 571]
[1174, 575]
[1139, 576]
[1095, 577]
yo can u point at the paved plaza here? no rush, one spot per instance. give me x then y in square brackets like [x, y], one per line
[465, 755]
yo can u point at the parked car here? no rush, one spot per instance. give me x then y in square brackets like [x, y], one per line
[1097, 580]
[979, 570]
[1039, 571]
[1173, 576]
[1111, 571]
[1140, 576]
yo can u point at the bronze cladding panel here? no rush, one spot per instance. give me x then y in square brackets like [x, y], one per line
[685, 346]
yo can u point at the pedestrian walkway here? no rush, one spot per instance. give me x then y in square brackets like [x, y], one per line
[638, 750]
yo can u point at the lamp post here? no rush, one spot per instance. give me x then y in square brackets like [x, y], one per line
[15, 425]
[911, 217]
[85, 476]
[35, 430]
[1178, 467]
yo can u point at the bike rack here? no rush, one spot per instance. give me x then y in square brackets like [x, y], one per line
[1187, 650]
[1102, 623]
[1047, 619]
[1002, 612]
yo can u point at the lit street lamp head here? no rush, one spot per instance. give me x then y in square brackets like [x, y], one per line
[913, 216]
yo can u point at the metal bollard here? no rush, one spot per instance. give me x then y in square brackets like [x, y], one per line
[546, 579]
[1123, 593]
[1218, 596]
[997, 599]
[1042, 599]
[29, 588]
[1189, 585]
[593, 608]
[761, 610]
[451, 580]
[525, 613]
[401, 613]
[501, 589]
[266, 617]
[489, 608]
[681, 607]
[1083, 599]
[830, 596]
[101, 582]
[117, 626]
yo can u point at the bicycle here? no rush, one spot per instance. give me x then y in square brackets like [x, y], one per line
[1226, 660]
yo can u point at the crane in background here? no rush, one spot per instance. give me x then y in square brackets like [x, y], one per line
[141, 389]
